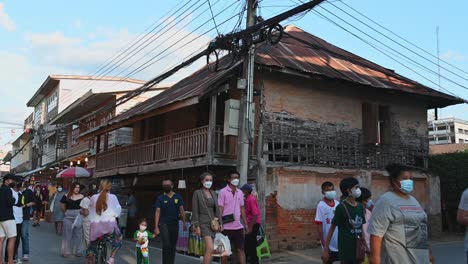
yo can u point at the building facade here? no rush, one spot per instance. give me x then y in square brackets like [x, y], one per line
[320, 114]
[448, 131]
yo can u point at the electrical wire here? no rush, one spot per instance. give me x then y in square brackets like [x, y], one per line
[19, 150]
[212, 16]
[103, 70]
[380, 50]
[402, 38]
[398, 43]
[346, 22]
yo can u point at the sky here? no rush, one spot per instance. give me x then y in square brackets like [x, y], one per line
[38, 38]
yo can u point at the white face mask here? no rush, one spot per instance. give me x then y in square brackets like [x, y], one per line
[235, 182]
[330, 195]
[59, 189]
[142, 227]
[208, 184]
[356, 192]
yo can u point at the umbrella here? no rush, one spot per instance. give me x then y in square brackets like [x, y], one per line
[74, 172]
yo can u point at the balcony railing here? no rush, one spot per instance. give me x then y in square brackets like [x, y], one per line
[187, 144]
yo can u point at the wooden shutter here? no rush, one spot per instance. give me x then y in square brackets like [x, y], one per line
[370, 118]
[385, 128]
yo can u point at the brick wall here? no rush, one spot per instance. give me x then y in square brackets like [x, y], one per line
[289, 229]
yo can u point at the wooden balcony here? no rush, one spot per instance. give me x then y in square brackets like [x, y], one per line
[188, 147]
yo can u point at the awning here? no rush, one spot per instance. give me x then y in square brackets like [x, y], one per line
[24, 174]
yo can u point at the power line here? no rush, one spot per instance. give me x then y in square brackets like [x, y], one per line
[400, 37]
[398, 43]
[447, 79]
[122, 51]
[378, 49]
[148, 84]
[149, 40]
[212, 16]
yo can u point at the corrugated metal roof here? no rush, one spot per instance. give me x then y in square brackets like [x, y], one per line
[320, 58]
[309, 54]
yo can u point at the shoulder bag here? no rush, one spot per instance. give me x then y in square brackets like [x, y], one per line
[229, 218]
[361, 246]
[214, 221]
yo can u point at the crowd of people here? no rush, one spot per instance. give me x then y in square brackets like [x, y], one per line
[352, 229]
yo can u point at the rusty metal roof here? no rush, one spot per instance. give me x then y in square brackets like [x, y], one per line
[301, 52]
[306, 53]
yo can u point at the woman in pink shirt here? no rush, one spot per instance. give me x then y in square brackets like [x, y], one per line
[254, 220]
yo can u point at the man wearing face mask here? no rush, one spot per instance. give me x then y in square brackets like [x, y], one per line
[169, 206]
[28, 201]
[349, 218]
[231, 205]
[324, 216]
[7, 219]
[398, 225]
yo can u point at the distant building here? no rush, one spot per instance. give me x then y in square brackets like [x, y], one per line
[448, 131]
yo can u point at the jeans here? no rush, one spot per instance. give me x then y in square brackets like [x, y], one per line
[169, 235]
[25, 237]
[251, 245]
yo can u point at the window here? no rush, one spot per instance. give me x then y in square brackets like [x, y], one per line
[461, 141]
[460, 130]
[431, 128]
[440, 128]
[376, 124]
[52, 102]
[442, 138]
[466, 132]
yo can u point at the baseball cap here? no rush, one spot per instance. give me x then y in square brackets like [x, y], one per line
[247, 187]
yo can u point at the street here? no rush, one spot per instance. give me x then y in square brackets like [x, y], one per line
[45, 248]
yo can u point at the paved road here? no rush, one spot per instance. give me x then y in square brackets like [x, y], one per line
[45, 248]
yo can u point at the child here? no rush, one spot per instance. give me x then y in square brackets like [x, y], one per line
[323, 219]
[142, 236]
[366, 201]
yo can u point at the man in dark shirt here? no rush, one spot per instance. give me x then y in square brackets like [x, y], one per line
[28, 200]
[7, 219]
[168, 208]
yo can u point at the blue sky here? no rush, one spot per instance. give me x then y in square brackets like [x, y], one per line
[75, 37]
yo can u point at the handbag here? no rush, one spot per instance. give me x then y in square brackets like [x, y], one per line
[361, 245]
[230, 217]
[214, 222]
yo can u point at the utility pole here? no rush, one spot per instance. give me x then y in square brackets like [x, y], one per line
[436, 111]
[245, 111]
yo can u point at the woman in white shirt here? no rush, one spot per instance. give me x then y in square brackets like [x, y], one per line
[104, 209]
[85, 213]
[18, 214]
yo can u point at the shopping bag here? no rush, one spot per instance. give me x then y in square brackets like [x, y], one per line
[222, 246]
[260, 236]
[78, 222]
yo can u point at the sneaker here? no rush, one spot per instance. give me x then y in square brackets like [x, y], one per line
[18, 260]
[110, 260]
[26, 258]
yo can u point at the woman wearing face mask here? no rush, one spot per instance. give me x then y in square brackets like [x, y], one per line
[349, 218]
[366, 201]
[57, 214]
[37, 205]
[204, 210]
[398, 225]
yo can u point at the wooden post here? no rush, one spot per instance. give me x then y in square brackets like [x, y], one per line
[212, 128]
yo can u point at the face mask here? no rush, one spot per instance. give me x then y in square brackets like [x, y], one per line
[406, 186]
[235, 182]
[330, 195]
[208, 184]
[167, 189]
[59, 189]
[356, 192]
[142, 227]
[370, 203]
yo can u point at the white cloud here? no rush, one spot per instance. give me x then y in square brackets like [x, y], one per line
[53, 39]
[5, 21]
[454, 56]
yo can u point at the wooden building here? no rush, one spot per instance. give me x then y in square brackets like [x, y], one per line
[321, 113]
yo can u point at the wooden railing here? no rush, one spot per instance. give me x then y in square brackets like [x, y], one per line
[187, 144]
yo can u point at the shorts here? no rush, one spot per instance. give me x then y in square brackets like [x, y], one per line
[8, 228]
[236, 237]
